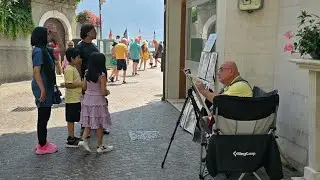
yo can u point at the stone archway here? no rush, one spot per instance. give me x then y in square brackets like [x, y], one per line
[207, 26]
[60, 28]
[62, 18]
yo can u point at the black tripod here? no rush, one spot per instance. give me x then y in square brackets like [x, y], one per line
[196, 112]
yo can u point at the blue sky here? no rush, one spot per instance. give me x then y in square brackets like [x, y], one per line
[134, 14]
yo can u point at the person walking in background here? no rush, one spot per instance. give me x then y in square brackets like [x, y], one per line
[114, 73]
[94, 107]
[73, 86]
[135, 50]
[158, 54]
[43, 81]
[121, 53]
[145, 54]
[70, 44]
[52, 43]
[117, 40]
[128, 45]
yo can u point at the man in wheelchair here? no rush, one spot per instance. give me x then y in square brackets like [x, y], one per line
[229, 76]
[242, 139]
[234, 85]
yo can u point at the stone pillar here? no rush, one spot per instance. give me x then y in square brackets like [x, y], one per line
[312, 171]
[173, 27]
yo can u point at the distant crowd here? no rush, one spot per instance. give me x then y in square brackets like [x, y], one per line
[124, 51]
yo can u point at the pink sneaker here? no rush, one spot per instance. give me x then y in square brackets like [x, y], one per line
[38, 146]
[49, 148]
[51, 144]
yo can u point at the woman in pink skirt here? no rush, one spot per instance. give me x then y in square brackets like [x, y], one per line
[94, 108]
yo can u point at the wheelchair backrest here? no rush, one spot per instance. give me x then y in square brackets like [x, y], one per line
[245, 115]
[258, 92]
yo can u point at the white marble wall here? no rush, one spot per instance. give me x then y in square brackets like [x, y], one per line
[255, 41]
[249, 39]
[173, 27]
[15, 55]
[293, 85]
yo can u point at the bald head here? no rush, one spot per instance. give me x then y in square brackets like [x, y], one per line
[124, 41]
[232, 65]
[228, 72]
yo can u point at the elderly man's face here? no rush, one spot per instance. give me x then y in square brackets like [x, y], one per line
[224, 74]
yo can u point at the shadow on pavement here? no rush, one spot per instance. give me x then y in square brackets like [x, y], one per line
[140, 137]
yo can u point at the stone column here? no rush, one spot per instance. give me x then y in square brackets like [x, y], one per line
[173, 30]
[312, 171]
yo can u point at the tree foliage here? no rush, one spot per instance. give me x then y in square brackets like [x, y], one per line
[15, 18]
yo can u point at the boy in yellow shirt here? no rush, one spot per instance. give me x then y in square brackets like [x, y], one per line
[73, 86]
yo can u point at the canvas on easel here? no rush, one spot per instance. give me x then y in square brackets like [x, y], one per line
[188, 113]
[207, 66]
[188, 120]
[210, 42]
[206, 74]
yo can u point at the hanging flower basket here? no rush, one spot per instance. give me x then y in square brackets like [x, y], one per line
[88, 17]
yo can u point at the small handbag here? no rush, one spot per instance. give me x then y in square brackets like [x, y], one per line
[56, 95]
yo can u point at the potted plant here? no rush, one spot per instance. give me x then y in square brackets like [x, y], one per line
[307, 39]
[82, 17]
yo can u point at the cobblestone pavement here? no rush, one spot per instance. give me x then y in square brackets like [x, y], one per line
[141, 131]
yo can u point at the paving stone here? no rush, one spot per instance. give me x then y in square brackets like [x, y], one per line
[141, 131]
[143, 135]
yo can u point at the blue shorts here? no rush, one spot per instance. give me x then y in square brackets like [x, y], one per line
[135, 60]
[121, 64]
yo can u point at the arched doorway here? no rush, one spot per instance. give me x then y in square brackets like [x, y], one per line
[60, 20]
[60, 28]
[209, 27]
[63, 26]
[64, 37]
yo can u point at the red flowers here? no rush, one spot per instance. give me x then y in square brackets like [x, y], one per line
[289, 46]
[288, 35]
[87, 16]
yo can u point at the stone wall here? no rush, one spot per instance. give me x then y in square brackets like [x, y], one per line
[249, 39]
[293, 85]
[15, 55]
[43, 9]
[173, 27]
[255, 41]
[15, 58]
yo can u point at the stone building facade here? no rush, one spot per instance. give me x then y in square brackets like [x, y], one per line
[15, 55]
[255, 42]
